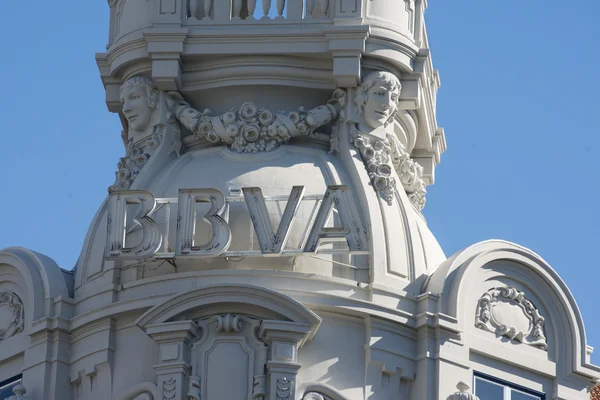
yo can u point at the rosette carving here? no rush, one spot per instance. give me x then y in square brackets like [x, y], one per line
[506, 312]
[12, 315]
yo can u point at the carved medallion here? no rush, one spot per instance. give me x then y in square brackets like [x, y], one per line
[12, 316]
[506, 312]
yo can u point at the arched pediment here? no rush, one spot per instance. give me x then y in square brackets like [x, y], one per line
[39, 278]
[456, 280]
[231, 297]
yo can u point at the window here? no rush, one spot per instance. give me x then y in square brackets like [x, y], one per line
[489, 388]
[7, 386]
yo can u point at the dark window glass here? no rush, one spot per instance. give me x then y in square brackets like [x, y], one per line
[487, 390]
[487, 387]
[7, 386]
[516, 395]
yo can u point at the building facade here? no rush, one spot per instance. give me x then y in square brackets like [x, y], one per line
[263, 238]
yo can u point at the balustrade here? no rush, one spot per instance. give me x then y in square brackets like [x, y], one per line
[249, 10]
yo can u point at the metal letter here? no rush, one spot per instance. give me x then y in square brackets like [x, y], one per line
[117, 220]
[352, 229]
[271, 243]
[186, 223]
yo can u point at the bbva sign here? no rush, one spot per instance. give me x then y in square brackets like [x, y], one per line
[271, 243]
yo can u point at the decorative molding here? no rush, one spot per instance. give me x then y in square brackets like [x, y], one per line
[12, 315]
[229, 323]
[380, 156]
[169, 388]
[284, 387]
[251, 129]
[259, 391]
[498, 306]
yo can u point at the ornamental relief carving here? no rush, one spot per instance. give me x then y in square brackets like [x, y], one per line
[235, 336]
[376, 105]
[169, 388]
[155, 119]
[505, 311]
[12, 315]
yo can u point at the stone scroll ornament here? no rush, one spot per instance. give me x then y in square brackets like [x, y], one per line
[506, 312]
[376, 105]
[12, 315]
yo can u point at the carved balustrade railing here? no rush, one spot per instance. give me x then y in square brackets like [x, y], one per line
[263, 10]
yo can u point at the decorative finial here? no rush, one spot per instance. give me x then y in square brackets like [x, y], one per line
[19, 391]
[463, 392]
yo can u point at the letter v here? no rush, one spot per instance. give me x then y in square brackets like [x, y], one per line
[271, 243]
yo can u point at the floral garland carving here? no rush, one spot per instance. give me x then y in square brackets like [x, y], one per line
[486, 320]
[379, 157]
[251, 129]
[136, 156]
[14, 303]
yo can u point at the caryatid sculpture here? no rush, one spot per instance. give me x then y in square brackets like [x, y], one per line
[376, 105]
[151, 115]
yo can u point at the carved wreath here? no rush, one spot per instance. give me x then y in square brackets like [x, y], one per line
[17, 315]
[492, 316]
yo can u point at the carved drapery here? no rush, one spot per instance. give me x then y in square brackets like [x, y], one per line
[12, 315]
[507, 312]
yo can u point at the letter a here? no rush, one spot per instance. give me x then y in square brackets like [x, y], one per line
[352, 229]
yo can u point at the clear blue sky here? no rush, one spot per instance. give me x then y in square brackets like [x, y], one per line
[519, 103]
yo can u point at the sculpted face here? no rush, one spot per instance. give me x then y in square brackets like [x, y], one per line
[380, 105]
[136, 107]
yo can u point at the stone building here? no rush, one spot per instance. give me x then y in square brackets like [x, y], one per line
[263, 238]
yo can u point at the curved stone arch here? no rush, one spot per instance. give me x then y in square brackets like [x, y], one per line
[42, 280]
[245, 295]
[146, 388]
[316, 388]
[447, 282]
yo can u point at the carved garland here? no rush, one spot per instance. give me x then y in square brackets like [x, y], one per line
[379, 157]
[17, 314]
[251, 129]
[489, 317]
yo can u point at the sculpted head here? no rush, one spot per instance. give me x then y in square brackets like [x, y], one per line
[377, 99]
[139, 98]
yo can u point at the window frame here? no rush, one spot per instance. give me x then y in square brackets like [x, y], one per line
[11, 380]
[504, 383]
